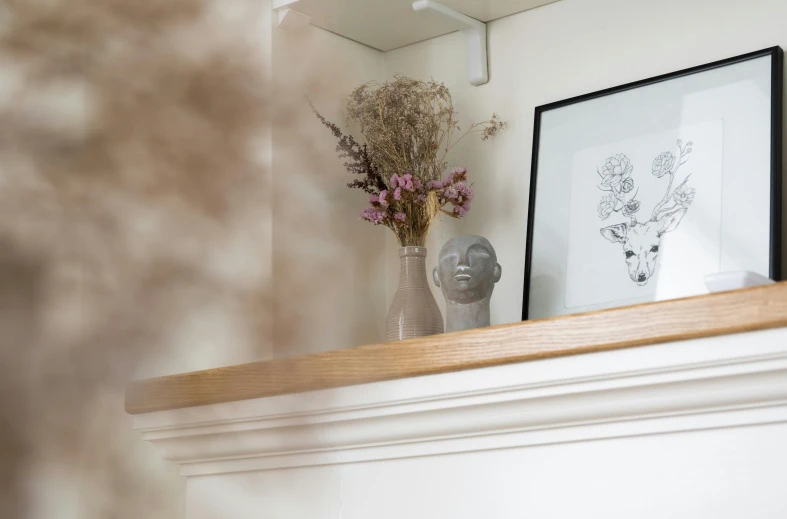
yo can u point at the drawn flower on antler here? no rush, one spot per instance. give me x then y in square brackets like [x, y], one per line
[615, 180]
[607, 206]
[627, 186]
[663, 164]
[684, 196]
[616, 170]
[631, 208]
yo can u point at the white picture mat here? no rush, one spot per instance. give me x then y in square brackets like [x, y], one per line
[739, 95]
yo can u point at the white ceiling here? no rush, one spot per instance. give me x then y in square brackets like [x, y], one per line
[389, 24]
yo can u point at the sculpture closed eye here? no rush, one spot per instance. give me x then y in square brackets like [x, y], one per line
[466, 272]
[642, 241]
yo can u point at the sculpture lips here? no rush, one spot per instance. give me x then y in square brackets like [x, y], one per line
[463, 277]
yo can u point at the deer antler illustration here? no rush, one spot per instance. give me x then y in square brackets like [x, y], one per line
[616, 179]
[662, 165]
[642, 241]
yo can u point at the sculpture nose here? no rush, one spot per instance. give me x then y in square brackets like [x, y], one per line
[642, 277]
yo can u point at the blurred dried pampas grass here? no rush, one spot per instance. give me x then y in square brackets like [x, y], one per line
[133, 189]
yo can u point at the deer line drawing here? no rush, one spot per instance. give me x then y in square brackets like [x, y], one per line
[641, 241]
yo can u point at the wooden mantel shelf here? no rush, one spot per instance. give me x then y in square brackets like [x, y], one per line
[703, 316]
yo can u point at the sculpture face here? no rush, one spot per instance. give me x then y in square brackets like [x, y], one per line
[467, 269]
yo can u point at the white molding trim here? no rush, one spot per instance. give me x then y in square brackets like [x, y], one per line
[736, 380]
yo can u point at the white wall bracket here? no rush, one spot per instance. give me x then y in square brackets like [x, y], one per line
[475, 36]
[288, 18]
[292, 20]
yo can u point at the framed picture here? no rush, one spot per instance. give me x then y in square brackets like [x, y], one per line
[638, 192]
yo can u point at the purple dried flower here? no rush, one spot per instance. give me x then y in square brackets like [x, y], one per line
[434, 184]
[373, 199]
[459, 210]
[406, 181]
[398, 193]
[452, 193]
[395, 181]
[460, 171]
[421, 198]
[383, 198]
[373, 215]
[399, 216]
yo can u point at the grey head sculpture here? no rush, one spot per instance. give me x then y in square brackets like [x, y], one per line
[466, 272]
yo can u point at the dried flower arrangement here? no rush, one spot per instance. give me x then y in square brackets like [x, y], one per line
[409, 127]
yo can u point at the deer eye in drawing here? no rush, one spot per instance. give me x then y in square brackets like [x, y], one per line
[629, 254]
[654, 249]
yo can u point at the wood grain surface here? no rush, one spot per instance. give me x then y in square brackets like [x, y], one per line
[704, 316]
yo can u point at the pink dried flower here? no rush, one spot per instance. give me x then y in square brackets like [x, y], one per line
[373, 199]
[373, 215]
[464, 190]
[394, 181]
[398, 193]
[434, 184]
[406, 181]
[383, 198]
[459, 171]
[399, 216]
[460, 211]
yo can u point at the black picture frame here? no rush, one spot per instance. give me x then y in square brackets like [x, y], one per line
[777, 78]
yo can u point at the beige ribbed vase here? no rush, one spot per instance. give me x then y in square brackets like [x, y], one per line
[414, 311]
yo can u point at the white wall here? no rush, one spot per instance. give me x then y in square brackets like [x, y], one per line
[561, 50]
[328, 273]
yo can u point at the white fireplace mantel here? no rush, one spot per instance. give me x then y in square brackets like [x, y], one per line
[710, 383]
[685, 428]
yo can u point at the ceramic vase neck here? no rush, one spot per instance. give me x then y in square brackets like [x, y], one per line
[412, 267]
